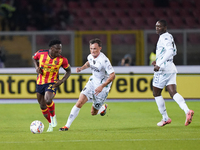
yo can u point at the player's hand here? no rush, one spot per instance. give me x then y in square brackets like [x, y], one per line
[98, 90]
[153, 63]
[39, 70]
[57, 83]
[78, 70]
[156, 68]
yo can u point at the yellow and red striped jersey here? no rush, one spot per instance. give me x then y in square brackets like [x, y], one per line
[50, 66]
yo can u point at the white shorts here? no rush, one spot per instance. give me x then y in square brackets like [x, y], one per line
[160, 80]
[98, 100]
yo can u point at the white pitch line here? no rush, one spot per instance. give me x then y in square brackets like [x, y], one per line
[118, 140]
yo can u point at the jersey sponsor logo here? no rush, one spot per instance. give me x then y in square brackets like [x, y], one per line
[50, 70]
[49, 65]
[95, 68]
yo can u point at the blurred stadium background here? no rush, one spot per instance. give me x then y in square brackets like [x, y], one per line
[124, 26]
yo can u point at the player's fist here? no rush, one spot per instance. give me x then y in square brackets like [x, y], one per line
[39, 70]
[78, 70]
[153, 63]
[156, 68]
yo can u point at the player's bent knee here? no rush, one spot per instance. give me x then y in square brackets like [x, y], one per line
[48, 102]
[43, 106]
[79, 105]
[155, 95]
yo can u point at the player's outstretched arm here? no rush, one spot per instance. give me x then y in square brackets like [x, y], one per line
[85, 66]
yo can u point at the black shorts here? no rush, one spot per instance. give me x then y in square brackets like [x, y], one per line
[45, 87]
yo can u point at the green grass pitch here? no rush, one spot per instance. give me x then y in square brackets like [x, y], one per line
[126, 126]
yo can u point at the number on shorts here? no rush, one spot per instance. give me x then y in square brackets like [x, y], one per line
[51, 87]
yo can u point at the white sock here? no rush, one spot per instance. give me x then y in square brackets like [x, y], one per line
[161, 107]
[101, 109]
[181, 102]
[73, 114]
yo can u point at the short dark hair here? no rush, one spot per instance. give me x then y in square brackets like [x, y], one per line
[96, 40]
[54, 42]
[163, 22]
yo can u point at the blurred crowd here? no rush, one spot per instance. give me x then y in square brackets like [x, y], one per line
[22, 15]
[27, 15]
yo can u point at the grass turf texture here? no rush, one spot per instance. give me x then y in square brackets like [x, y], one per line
[126, 126]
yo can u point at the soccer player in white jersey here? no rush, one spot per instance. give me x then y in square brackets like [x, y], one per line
[98, 85]
[165, 74]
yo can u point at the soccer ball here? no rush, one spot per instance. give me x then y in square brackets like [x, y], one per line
[37, 127]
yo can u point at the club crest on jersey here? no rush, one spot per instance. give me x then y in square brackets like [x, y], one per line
[55, 62]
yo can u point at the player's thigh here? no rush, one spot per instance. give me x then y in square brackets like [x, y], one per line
[171, 88]
[50, 93]
[156, 91]
[49, 97]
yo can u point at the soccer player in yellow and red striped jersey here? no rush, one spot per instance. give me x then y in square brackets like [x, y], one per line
[47, 63]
